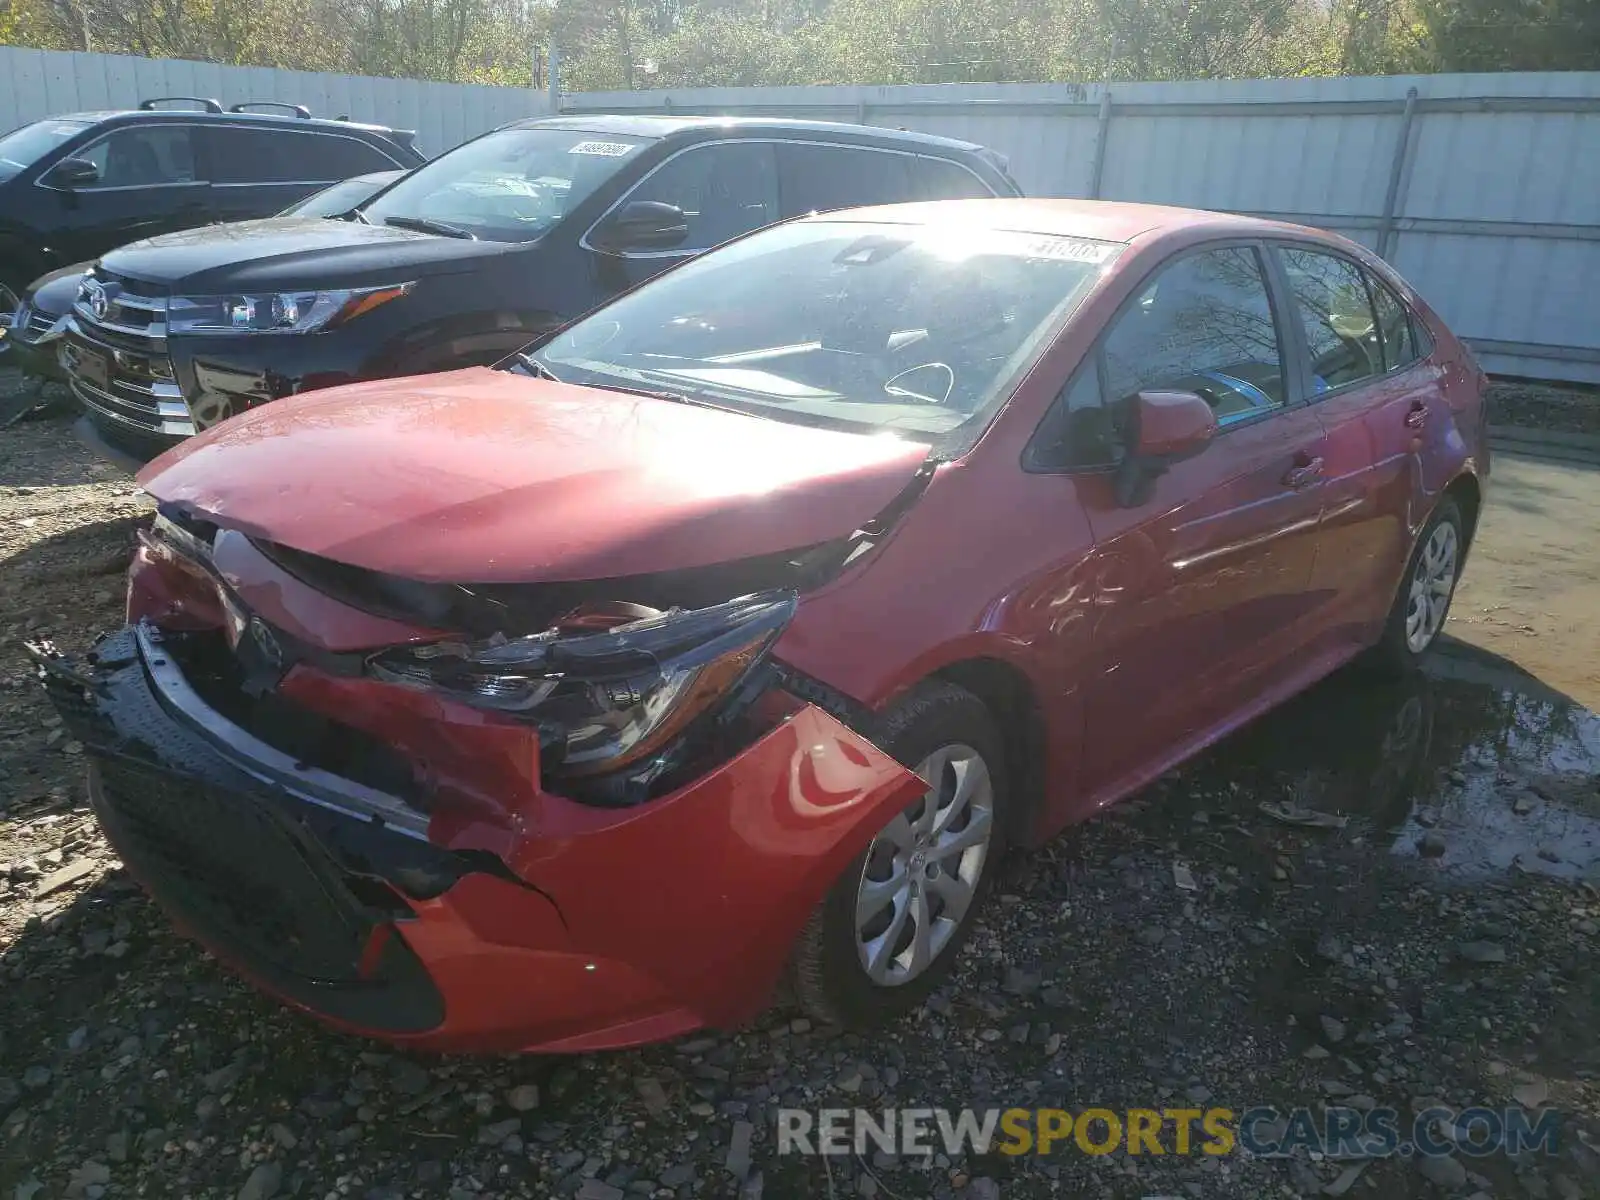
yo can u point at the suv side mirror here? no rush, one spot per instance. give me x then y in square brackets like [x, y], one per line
[72, 173]
[642, 225]
[1162, 428]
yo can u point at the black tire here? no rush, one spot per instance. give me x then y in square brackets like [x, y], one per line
[828, 977]
[1394, 656]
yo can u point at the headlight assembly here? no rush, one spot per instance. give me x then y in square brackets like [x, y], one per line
[276, 312]
[603, 700]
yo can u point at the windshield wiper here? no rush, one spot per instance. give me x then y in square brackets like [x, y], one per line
[656, 394]
[536, 368]
[428, 225]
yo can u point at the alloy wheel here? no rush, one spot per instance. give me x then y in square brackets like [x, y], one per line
[923, 870]
[1432, 582]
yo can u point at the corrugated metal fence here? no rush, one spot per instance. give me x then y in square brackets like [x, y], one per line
[43, 83]
[1484, 190]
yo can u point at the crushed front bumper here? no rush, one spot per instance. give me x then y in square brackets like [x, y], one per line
[629, 926]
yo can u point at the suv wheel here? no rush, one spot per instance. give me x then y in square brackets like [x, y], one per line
[890, 928]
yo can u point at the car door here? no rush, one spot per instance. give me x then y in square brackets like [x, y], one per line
[724, 189]
[150, 182]
[1200, 590]
[1374, 395]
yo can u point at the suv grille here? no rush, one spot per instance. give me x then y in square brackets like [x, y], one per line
[131, 310]
[132, 385]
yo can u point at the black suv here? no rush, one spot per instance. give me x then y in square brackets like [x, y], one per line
[463, 261]
[75, 186]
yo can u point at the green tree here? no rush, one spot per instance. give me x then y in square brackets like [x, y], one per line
[1511, 35]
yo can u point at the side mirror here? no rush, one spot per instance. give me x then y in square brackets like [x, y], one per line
[1162, 428]
[643, 225]
[72, 173]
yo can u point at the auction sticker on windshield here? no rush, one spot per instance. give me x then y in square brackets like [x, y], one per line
[1065, 249]
[602, 149]
[1012, 243]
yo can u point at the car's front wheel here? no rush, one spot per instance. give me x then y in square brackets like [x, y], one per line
[1423, 602]
[890, 928]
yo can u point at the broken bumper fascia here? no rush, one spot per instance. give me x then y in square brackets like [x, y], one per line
[618, 927]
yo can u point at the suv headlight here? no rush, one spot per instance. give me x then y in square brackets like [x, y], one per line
[276, 312]
[603, 700]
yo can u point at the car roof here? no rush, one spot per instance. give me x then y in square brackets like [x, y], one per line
[1102, 220]
[115, 114]
[652, 126]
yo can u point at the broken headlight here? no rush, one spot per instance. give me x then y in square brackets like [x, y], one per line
[603, 700]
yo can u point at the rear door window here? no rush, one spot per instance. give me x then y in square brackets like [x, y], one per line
[242, 155]
[724, 189]
[239, 155]
[331, 156]
[1335, 310]
[143, 156]
[941, 179]
[1397, 327]
[814, 177]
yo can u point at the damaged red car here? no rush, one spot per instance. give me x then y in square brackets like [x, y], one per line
[728, 636]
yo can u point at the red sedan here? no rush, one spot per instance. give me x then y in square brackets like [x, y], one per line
[731, 633]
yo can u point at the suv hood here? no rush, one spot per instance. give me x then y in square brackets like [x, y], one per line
[282, 253]
[481, 476]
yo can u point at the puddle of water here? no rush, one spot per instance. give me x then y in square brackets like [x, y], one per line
[1475, 758]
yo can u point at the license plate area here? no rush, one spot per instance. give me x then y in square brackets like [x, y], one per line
[92, 367]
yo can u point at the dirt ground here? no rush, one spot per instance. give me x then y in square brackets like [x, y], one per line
[1432, 942]
[1531, 591]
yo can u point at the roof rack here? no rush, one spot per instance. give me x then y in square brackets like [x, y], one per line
[210, 106]
[299, 110]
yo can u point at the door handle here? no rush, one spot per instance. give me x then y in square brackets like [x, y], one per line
[1304, 474]
[1417, 417]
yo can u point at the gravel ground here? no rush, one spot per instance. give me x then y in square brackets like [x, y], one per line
[1539, 406]
[1439, 946]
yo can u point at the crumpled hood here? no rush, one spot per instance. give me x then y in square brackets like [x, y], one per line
[280, 253]
[481, 476]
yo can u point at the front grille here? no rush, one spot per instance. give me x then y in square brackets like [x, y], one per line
[239, 866]
[293, 892]
[138, 391]
[235, 867]
[133, 308]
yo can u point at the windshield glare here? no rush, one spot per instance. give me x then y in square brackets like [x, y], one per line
[920, 331]
[508, 186]
[23, 147]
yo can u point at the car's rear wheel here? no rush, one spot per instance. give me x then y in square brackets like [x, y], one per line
[1423, 601]
[892, 925]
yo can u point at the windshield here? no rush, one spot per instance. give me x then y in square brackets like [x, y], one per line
[23, 147]
[916, 330]
[339, 198]
[508, 186]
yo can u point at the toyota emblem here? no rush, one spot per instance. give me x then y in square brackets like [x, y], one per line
[94, 295]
